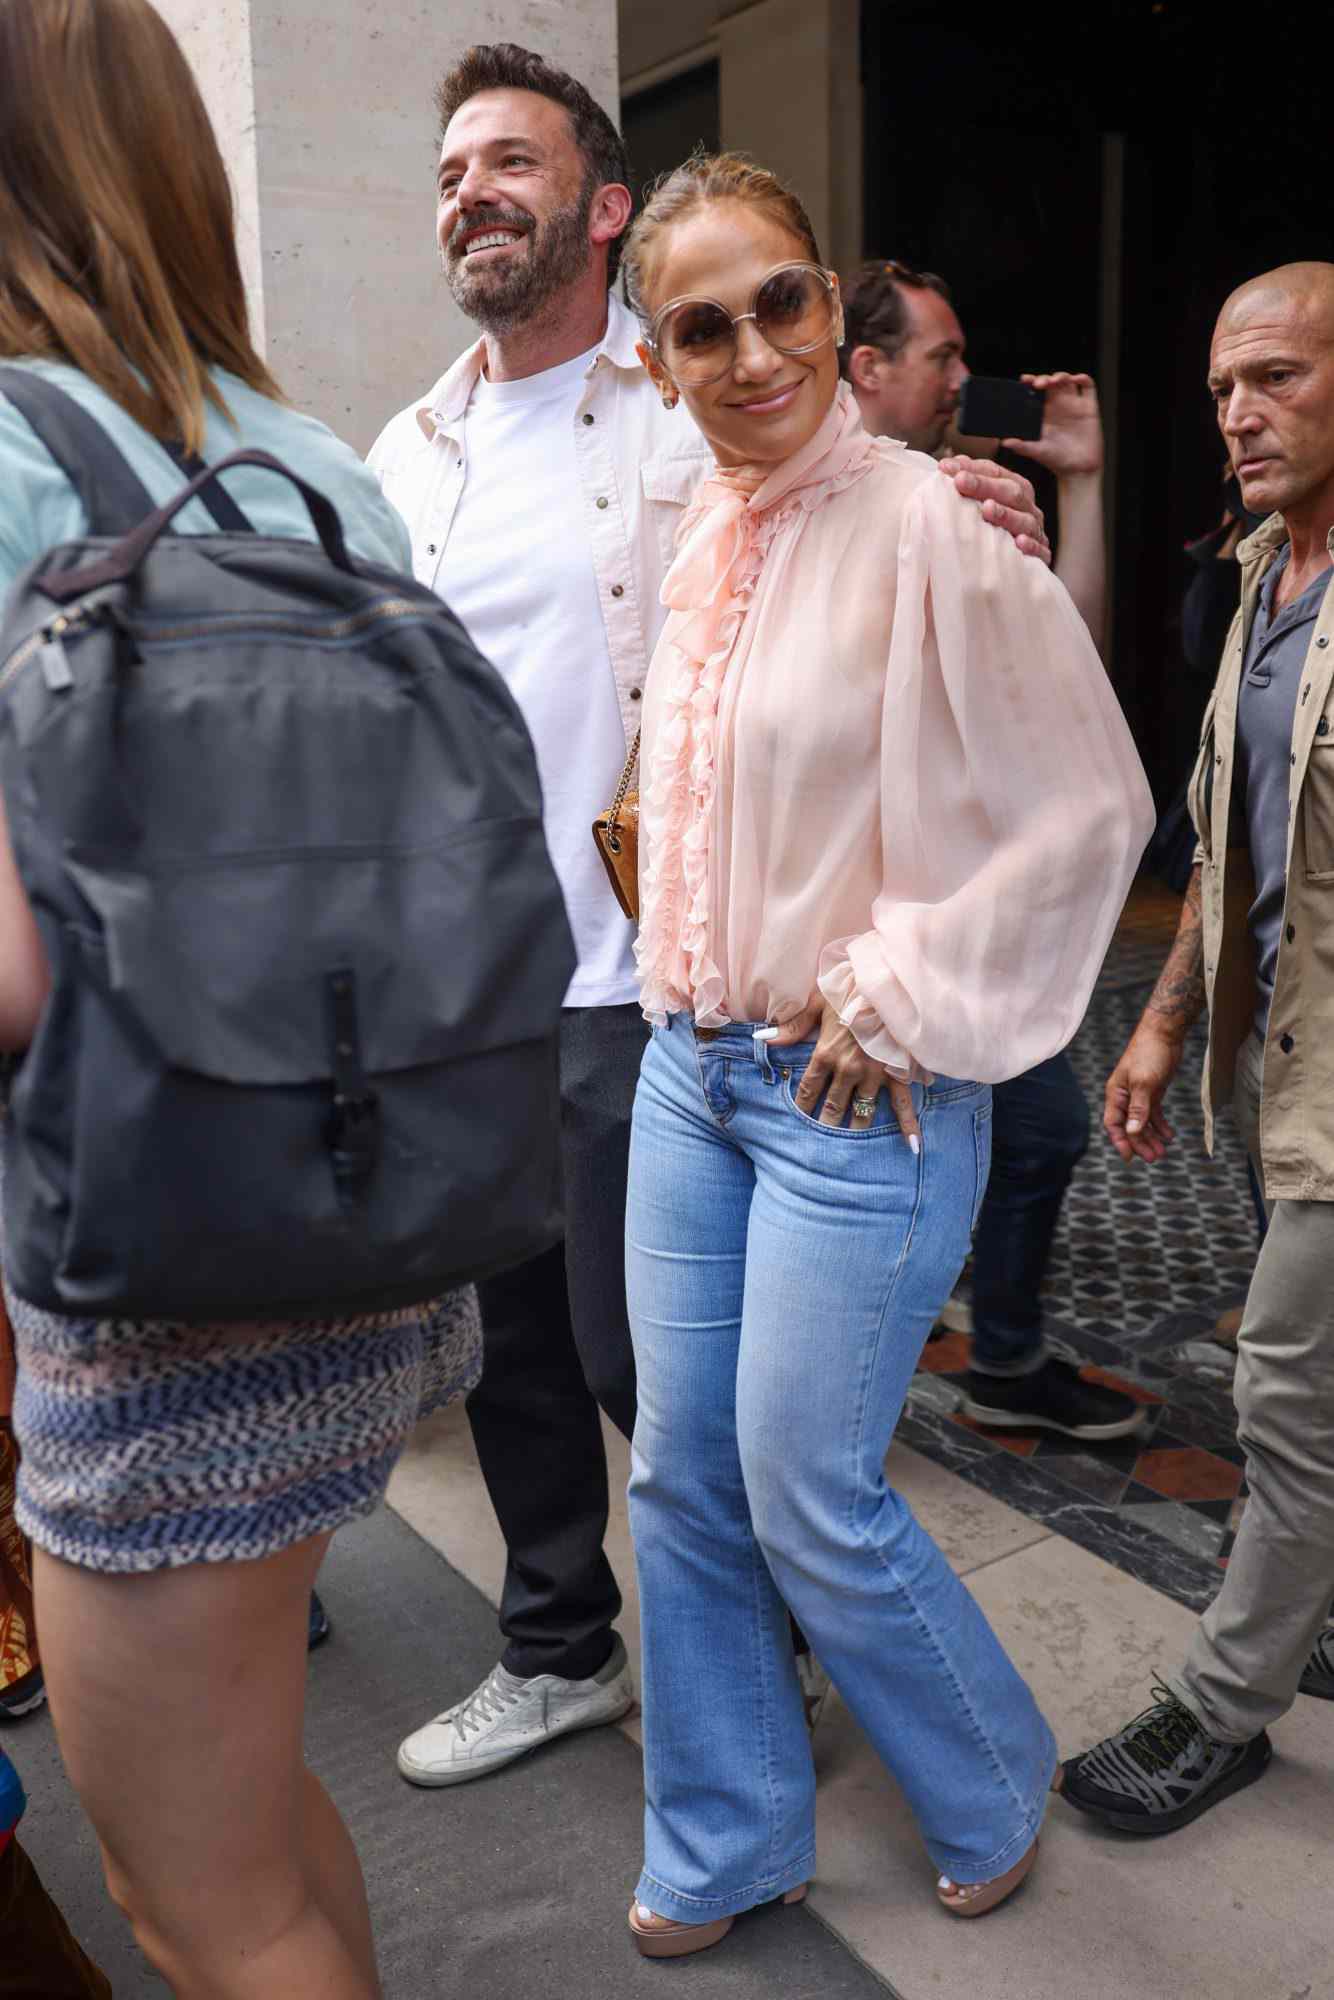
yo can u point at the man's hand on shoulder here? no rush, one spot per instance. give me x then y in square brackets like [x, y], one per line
[1007, 500]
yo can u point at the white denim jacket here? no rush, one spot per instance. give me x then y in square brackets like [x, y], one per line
[638, 466]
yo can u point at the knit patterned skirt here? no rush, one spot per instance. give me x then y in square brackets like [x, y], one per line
[148, 1444]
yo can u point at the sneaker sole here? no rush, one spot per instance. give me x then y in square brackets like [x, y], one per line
[1013, 1420]
[10, 1711]
[1147, 1825]
[437, 1780]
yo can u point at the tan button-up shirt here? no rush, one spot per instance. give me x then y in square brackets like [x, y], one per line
[1297, 1098]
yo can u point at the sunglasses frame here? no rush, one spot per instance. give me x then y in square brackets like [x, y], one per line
[834, 334]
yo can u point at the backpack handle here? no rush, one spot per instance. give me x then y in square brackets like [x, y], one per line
[121, 561]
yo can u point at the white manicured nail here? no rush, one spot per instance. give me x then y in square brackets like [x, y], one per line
[766, 1034]
[915, 1143]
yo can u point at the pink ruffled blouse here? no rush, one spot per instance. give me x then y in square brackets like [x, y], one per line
[881, 763]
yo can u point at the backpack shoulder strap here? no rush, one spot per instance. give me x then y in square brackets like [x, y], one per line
[215, 497]
[111, 492]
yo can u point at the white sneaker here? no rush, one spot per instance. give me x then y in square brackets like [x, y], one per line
[507, 1717]
[956, 1315]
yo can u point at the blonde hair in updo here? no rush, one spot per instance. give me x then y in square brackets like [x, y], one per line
[706, 177]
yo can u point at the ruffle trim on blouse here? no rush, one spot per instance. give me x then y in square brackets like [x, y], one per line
[677, 792]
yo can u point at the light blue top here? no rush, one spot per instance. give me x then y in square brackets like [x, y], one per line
[39, 508]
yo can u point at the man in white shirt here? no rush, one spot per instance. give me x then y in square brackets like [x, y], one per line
[542, 480]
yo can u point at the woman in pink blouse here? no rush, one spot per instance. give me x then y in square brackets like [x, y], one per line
[889, 814]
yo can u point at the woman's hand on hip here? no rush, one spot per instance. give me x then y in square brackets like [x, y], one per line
[843, 1074]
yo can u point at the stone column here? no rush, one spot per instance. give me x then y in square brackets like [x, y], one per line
[791, 95]
[323, 110]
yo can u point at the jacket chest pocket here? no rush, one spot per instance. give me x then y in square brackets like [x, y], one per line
[668, 485]
[1317, 805]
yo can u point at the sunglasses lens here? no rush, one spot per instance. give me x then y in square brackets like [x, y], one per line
[795, 310]
[697, 341]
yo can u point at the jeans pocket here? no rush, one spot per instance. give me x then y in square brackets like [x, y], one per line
[982, 1154]
[884, 1124]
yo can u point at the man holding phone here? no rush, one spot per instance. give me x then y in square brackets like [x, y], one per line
[904, 357]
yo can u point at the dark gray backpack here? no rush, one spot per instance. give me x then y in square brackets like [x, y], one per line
[280, 825]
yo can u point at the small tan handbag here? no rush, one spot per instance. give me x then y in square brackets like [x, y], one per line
[616, 832]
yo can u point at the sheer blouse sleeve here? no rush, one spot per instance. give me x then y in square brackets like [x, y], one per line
[1014, 811]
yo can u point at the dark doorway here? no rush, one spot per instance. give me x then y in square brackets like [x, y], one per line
[662, 125]
[1092, 194]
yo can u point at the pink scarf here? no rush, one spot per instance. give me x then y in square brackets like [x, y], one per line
[720, 553]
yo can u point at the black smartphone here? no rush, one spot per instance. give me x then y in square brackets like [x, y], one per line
[993, 407]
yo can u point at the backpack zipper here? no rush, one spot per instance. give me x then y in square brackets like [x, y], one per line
[277, 621]
[48, 641]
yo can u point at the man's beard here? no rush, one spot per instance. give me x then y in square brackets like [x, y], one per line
[502, 297]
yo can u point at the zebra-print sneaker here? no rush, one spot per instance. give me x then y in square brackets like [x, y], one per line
[1161, 1771]
[1318, 1673]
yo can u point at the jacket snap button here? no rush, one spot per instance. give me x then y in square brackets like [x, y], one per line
[1322, 640]
[603, 501]
[588, 417]
[636, 694]
[618, 590]
[1285, 1043]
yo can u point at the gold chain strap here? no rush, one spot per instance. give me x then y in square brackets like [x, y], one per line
[613, 817]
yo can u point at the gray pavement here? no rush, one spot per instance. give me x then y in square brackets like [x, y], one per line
[514, 1886]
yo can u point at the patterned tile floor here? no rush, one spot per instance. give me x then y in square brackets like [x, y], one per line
[1144, 1260]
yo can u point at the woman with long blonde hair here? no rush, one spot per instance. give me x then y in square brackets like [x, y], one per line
[181, 1482]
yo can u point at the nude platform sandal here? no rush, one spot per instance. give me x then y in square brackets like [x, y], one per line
[974, 1899]
[663, 1937]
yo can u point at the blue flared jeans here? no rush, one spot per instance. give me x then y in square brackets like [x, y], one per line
[783, 1276]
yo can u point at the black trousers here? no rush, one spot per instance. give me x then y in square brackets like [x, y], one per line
[1039, 1134]
[556, 1345]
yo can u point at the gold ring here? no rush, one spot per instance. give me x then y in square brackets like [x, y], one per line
[863, 1107]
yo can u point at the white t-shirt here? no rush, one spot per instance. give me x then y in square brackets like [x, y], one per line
[519, 572]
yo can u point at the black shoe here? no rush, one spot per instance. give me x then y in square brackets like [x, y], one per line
[1054, 1397]
[1318, 1677]
[1161, 1771]
[23, 1697]
[319, 1627]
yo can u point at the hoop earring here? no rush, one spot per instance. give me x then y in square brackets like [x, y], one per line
[670, 399]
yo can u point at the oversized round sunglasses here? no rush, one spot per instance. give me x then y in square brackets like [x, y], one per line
[794, 307]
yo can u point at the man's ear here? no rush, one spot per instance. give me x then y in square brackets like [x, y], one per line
[864, 367]
[609, 216]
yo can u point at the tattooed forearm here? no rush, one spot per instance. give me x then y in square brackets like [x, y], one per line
[1177, 1001]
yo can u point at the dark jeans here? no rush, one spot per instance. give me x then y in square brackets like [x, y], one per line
[1039, 1133]
[556, 1344]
